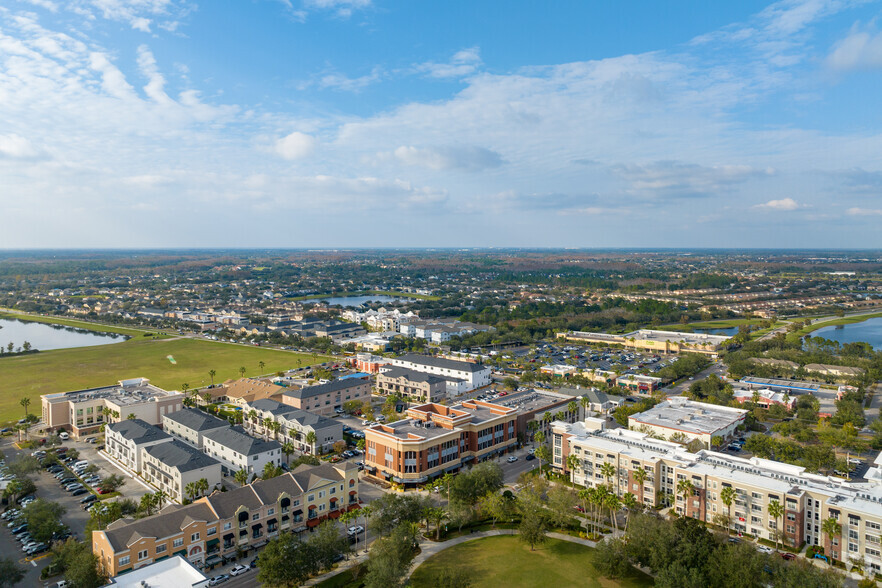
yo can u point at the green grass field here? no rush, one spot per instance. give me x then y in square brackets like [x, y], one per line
[61, 370]
[505, 561]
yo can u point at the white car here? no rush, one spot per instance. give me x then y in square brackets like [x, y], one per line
[239, 570]
[512, 458]
[356, 530]
[764, 549]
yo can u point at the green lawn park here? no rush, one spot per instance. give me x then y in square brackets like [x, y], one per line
[505, 561]
[62, 370]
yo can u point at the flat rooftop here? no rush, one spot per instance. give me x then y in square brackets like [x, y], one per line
[676, 337]
[782, 384]
[411, 429]
[174, 572]
[689, 416]
[125, 392]
[532, 400]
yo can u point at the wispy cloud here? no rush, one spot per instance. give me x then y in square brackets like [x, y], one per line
[463, 63]
[782, 205]
[463, 158]
[297, 145]
[864, 211]
[861, 49]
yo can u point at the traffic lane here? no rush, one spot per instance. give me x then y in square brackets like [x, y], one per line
[716, 368]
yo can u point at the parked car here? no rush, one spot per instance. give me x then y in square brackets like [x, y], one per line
[239, 570]
[356, 530]
[89, 499]
[512, 458]
[787, 555]
[218, 580]
[530, 457]
[36, 549]
[78, 492]
[764, 549]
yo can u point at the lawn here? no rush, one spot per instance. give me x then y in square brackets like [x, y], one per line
[505, 561]
[83, 367]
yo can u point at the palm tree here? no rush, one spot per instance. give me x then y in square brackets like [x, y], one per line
[190, 490]
[776, 511]
[147, 503]
[252, 417]
[573, 408]
[206, 397]
[131, 416]
[573, 462]
[608, 471]
[685, 488]
[267, 423]
[630, 502]
[242, 371]
[202, 485]
[640, 477]
[310, 440]
[586, 402]
[288, 450]
[25, 402]
[611, 501]
[241, 477]
[727, 495]
[831, 528]
[212, 374]
[158, 498]
[184, 387]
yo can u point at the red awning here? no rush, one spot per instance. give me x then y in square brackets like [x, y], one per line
[353, 493]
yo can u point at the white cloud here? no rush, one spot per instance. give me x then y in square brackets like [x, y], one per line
[449, 158]
[337, 81]
[859, 50]
[679, 179]
[155, 87]
[297, 145]
[342, 8]
[47, 4]
[16, 147]
[785, 204]
[864, 211]
[463, 63]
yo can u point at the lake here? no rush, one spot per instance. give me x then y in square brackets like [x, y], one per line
[45, 337]
[869, 331]
[353, 301]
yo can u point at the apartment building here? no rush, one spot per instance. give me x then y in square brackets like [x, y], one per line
[462, 376]
[411, 384]
[82, 412]
[369, 363]
[237, 450]
[325, 398]
[125, 440]
[215, 529]
[681, 418]
[540, 407]
[808, 499]
[294, 426]
[172, 465]
[435, 439]
[191, 424]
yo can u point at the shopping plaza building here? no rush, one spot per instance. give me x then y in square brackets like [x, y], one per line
[808, 499]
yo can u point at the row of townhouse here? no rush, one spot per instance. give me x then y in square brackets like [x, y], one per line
[218, 528]
[435, 439]
[461, 376]
[307, 431]
[411, 384]
[808, 499]
[325, 399]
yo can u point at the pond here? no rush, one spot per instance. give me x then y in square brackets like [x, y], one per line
[730, 331]
[45, 337]
[353, 301]
[868, 331]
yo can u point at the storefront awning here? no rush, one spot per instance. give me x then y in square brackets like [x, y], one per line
[297, 512]
[182, 553]
[257, 526]
[298, 529]
[419, 480]
[212, 542]
[353, 492]
[259, 544]
[213, 560]
[229, 536]
[271, 521]
[468, 458]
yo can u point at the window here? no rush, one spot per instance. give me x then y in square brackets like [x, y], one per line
[311, 497]
[178, 542]
[872, 526]
[161, 548]
[228, 526]
[255, 516]
[142, 555]
[124, 560]
[211, 531]
[194, 537]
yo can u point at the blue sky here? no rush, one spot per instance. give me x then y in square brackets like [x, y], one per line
[347, 123]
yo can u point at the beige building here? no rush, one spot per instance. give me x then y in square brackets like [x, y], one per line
[82, 412]
[191, 424]
[324, 399]
[410, 384]
[654, 341]
[125, 440]
[693, 483]
[172, 465]
[216, 529]
[679, 418]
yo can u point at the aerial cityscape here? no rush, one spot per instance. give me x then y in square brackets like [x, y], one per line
[364, 293]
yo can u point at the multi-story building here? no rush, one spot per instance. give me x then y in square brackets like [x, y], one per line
[294, 426]
[694, 482]
[462, 376]
[191, 424]
[245, 390]
[82, 412]
[218, 528]
[683, 419]
[326, 398]
[172, 465]
[654, 341]
[638, 383]
[237, 450]
[435, 439]
[541, 407]
[171, 571]
[764, 397]
[411, 384]
[125, 440]
[369, 363]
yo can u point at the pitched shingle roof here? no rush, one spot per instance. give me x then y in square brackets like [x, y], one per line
[178, 455]
[170, 521]
[330, 387]
[138, 431]
[196, 419]
[440, 362]
[238, 440]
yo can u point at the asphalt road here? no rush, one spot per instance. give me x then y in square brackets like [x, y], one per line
[715, 368]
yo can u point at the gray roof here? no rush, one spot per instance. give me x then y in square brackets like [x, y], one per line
[270, 406]
[177, 454]
[254, 495]
[330, 387]
[197, 420]
[238, 440]
[412, 375]
[138, 431]
[289, 413]
[170, 521]
[440, 362]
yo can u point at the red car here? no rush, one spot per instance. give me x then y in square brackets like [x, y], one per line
[787, 556]
[103, 491]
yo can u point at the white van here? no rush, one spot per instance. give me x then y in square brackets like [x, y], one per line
[80, 464]
[63, 436]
